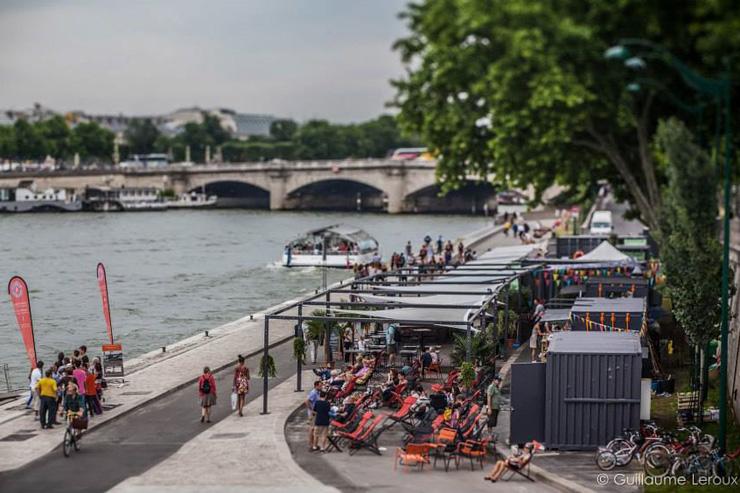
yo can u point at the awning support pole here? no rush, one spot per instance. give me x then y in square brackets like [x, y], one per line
[265, 354]
[299, 333]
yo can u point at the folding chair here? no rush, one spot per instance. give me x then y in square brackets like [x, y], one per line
[415, 454]
[521, 469]
[368, 438]
[473, 450]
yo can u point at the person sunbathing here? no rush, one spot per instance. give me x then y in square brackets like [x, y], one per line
[514, 461]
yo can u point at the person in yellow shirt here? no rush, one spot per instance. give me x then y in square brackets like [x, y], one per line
[47, 388]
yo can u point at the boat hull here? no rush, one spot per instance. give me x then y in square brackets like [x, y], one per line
[336, 261]
[41, 206]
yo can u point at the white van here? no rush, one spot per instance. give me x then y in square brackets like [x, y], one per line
[601, 223]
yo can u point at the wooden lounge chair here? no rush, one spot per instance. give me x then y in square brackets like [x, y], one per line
[403, 414]
[368, 438]
[414, 455]
[522, 469]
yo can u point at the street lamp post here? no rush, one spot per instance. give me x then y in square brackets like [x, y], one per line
[719, 91]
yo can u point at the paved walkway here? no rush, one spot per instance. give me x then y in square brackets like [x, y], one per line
[235, 453]
[155, 375]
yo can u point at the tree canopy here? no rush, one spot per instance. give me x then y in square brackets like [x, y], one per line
[521, 88]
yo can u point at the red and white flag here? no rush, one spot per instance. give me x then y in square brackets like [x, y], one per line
[18, 291]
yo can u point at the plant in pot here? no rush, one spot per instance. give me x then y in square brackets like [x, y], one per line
[321, 331]
[299, 350]
[267, 366]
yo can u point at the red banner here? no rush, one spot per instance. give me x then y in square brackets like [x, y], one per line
[18, 291]
[103, 285]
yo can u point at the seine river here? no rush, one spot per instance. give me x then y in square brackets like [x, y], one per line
[170, 274]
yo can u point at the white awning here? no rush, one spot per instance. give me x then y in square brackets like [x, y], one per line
[605, 252]
[417, 315]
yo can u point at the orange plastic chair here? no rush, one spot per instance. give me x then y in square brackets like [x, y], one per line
[415, 455]
[473, 450]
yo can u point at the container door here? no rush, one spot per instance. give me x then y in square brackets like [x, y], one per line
[527, 402]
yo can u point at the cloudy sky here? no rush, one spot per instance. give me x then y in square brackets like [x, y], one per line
[297, 58]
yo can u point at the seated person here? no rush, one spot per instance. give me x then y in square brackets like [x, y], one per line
[348, 407]
[324, 373]
[515, 460]
[390, 384]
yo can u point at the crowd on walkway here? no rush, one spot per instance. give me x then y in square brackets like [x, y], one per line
[432, 255]
[72, 384]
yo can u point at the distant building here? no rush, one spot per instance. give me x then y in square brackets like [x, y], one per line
[239, 125]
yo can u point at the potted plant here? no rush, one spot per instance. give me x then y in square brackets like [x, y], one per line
[267, 366]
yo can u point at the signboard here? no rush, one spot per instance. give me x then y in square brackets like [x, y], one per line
[112, 361]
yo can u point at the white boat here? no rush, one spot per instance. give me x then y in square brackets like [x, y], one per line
[26, 198]
[345, 246]
[192, 200]
[125, 199]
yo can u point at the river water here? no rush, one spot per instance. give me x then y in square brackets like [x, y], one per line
[170, 274]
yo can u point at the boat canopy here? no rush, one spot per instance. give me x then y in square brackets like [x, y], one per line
[340, 238]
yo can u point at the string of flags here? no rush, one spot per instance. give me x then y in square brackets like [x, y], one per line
[603, 327]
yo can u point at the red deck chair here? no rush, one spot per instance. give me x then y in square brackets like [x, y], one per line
[403, 414]
[441, 387]
[348, 389]
[368, 438]
[396, 398]
[357, 431]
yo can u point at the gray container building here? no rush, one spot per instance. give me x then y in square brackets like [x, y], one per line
[592, 388]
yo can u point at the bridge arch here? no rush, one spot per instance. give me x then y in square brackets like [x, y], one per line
[347, 194]
[235, 193]
[473, 197]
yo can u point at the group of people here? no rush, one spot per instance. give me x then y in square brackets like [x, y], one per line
[72, 386]
[519, 227]
[239, 389]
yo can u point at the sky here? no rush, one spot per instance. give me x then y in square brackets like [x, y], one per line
[291, 58]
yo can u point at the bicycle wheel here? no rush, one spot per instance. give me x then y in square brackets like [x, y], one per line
[606, 460]
[68, 442]
[618, 444]
[658, 460]
[680, 468]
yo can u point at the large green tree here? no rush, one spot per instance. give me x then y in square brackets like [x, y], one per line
[520, 89]
[29, 143]
[689, 249]
[92, 142]
[141, 135]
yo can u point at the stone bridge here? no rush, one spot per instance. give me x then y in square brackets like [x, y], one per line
[395, 186]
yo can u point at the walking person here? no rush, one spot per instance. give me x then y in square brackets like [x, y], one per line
[47, 391]
[313, 396]
[207, 394]
[241, 384]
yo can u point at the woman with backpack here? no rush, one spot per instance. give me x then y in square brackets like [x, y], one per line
[241, 384]
[207, 394]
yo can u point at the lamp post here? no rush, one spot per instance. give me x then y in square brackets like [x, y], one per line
[718, 90]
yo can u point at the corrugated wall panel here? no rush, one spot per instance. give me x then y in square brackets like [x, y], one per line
[590, 398]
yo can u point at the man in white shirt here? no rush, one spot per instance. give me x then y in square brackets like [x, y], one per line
[33, 398]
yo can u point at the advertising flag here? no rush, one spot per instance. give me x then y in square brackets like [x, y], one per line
[18, 291]
[103, 285]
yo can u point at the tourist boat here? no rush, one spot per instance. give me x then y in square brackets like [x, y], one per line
[125, 199]
[345, 246]
[192, 200]
[26, 198]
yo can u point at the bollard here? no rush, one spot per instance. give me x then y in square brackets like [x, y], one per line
[206, 333]
[164, 349]
[251, 317]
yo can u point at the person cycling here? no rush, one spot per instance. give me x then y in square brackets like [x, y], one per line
[74, 406]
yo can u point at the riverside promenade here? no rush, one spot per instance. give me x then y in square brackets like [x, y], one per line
[150, 438]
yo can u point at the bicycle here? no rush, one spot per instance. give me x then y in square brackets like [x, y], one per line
[73, 433]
